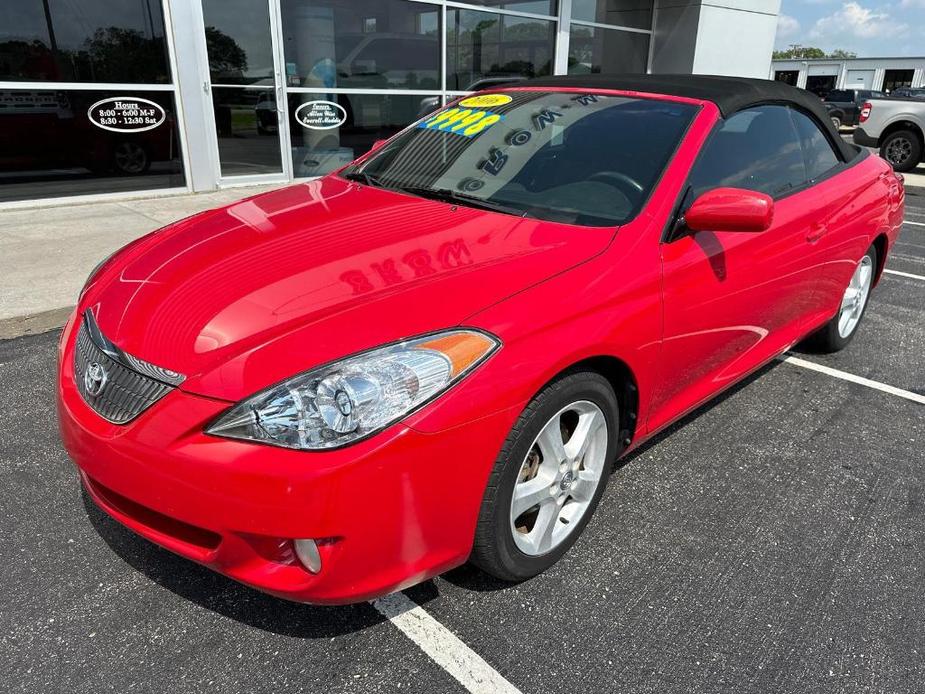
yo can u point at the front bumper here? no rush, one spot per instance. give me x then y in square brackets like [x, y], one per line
[387, 513]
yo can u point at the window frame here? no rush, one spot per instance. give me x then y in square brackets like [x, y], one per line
[674, 230]
[831, 171]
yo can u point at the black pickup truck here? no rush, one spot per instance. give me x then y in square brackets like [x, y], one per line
[844, 105]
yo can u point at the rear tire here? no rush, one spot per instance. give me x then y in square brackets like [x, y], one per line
[835, 335]
[836, 121]
[553, 485]
[903, 149]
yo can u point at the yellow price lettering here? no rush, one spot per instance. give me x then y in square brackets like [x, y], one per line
[442, 116]
[463, 120]
[483, 123]
[458, 116]
[475, 117]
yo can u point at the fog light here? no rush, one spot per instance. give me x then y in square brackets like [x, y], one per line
[307, 552]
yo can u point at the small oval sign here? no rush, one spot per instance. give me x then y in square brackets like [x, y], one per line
[486, 100]
[126, 114]
[321, 115]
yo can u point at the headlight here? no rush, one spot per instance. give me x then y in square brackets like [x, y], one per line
[348, 400]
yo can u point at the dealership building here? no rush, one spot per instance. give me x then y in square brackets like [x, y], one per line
[821, 76]
[119, 97]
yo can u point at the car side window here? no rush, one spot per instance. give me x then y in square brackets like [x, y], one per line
[817, 150]
[756, 149]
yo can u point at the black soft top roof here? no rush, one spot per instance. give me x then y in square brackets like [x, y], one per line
[730, 94]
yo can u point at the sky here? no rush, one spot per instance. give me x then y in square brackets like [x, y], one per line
[872, 28]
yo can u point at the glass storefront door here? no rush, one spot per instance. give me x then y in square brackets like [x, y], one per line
[245, 89]
[299, 88]
[115, 97]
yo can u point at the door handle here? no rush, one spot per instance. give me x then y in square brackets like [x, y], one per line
[816, 233]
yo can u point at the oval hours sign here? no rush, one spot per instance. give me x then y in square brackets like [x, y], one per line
[126, 114]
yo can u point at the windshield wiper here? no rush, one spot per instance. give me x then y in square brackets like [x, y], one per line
[452, 196]
[363, 177]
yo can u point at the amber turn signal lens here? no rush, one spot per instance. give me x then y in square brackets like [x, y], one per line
[462, 349]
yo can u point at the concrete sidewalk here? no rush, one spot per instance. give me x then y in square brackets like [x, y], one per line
[915, 181]
[46, 253]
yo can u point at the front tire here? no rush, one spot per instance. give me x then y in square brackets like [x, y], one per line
[836, 121]
[903, 150]
[549, 477]
[835, 335]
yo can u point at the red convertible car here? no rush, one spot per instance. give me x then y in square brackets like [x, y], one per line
[344, 387]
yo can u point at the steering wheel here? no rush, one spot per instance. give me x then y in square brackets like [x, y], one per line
[630, 187]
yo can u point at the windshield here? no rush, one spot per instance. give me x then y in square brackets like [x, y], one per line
[584, 159]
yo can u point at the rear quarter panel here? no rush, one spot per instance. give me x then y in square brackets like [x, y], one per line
[886, 112]
[865, 201]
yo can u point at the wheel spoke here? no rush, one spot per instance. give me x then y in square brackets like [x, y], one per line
[585, 485]
[848, 299]
[550, 443]
[843, 321]
[529, 494]
[541, 536]
[589, 424]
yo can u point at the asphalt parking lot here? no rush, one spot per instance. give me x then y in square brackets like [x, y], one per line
[774, 541]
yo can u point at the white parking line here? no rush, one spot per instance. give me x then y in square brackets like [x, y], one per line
[915, 224]
[443, 646]
[845, 376]
[904, 274]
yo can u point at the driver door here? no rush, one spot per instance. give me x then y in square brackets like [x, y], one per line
[732, 300]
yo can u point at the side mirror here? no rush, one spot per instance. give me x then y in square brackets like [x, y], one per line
[730, 209]
[377, 144]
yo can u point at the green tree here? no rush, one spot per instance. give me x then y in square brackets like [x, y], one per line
[798, 52]
[227, 60]
[115, 54]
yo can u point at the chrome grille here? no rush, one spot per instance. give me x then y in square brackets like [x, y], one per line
[121, 391]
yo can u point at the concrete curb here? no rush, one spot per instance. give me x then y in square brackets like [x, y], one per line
[34, 323]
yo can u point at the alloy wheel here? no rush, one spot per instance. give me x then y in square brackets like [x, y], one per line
[559, 478]
[855, 298]
[898, 151]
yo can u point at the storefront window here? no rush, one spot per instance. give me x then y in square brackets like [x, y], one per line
[238, 41]
[85, 41]
[484, 45]
[547, 7]
[609, 51]
[321, 145]
[55, 143]
[626, 13]
[248, 131]
[367, 44]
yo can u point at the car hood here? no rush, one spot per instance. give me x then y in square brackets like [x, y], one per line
[244, 296]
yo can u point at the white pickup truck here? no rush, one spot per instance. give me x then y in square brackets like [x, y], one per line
[895, 126]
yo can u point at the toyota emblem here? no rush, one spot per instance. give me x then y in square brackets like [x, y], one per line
[95, 378]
